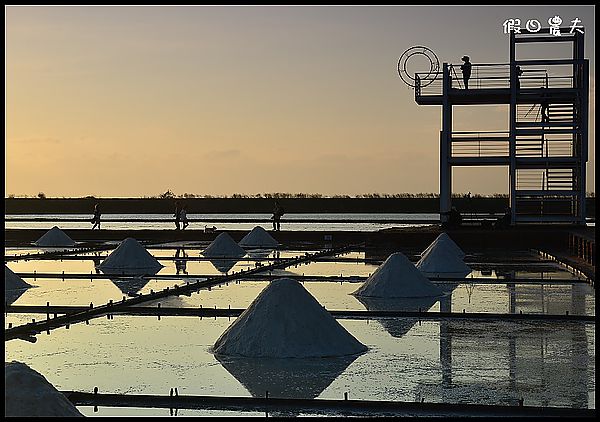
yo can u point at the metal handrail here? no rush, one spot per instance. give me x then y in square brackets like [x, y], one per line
[489, 78]
[459, 132]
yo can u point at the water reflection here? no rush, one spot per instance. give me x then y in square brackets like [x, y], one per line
[130, 286]
[286, 378]
[97, 259]
[542, 363]
[224, 265]
[398, 326]
[263, 253]
[10, 296]
[181, 261]
[549, 299]
[438, 275]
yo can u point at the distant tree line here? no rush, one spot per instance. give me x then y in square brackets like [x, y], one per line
[277, 195]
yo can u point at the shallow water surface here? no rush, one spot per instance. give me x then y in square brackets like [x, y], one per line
[548, 363]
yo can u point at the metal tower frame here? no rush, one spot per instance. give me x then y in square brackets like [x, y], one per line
[546, 146]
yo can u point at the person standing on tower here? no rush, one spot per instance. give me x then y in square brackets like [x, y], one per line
[466, 70]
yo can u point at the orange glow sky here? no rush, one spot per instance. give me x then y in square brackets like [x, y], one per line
[132, 101]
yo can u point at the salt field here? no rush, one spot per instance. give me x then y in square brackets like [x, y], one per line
[492, 362]
[300, 211]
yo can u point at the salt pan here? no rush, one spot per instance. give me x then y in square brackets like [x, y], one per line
[443, 240]
[13, 281]
[130, 257]
[397, 277]
[258, 238]
[285, 321]
[55, 237]
[28, 393]
[441, 261]
[224, 247]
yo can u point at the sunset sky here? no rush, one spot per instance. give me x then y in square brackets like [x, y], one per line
[132, 101]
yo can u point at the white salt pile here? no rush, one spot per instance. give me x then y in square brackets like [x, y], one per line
[397, 277]
[441, 261]
[443, 240]
[130, 256]
[54, 237]
[258, 238]
[285, 321]
[224, 247]
[13, 281]
[28, 393]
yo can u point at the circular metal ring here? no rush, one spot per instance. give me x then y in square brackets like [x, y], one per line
[434, 66]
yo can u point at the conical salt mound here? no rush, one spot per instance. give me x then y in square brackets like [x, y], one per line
[13, 281]
[130, 256]
[397, 277]
[224, 247]
[442, 261]
[28, 393]
[258, 238]
[54, 237]
[285, 321]
[443, 240]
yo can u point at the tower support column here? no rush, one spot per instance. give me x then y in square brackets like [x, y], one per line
[445, 150]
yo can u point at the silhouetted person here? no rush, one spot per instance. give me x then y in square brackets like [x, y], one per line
[97, 261]
[519, 73]
[544, 104]
[454, 218]
[507, 217]
[177, 215]
[466, 70]
[183, 215]
[277, 213]
[96, 218]
[504, 221]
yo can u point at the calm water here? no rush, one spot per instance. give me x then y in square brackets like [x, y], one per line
[295, 223]
[290, 221]
[487, 362]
